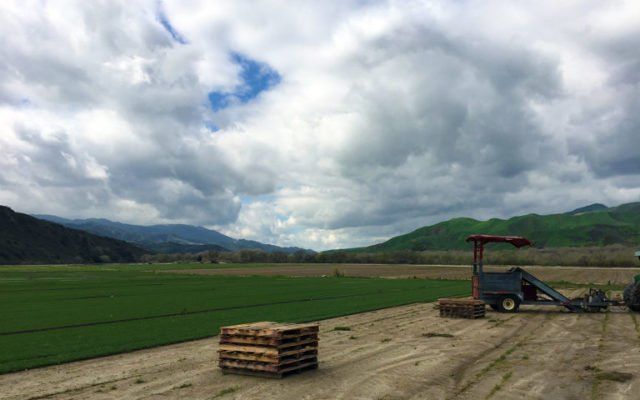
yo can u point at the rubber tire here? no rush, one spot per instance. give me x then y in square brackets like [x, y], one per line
[632, 297]
[508, 304]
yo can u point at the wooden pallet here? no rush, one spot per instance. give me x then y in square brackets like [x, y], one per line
[268, 341]
[265, 358]
[269, 329]
[268, 349]
[461, 308]
[268, 366]
[277, 350]
[278, 375]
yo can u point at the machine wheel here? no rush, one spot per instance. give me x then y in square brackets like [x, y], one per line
[632, 297]
[508, 304]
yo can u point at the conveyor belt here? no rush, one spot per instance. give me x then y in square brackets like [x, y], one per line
[546, 289]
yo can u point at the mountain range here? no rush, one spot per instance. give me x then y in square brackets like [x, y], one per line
[593, 225]
[25, 239]
[51, 239]
[171, 238]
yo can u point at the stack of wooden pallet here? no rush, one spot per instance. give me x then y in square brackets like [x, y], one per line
[461, 308]
[268, 349]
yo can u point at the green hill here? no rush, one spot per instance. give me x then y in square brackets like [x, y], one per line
[28, 240]
[594, 225]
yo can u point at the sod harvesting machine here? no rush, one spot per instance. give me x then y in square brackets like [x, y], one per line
[506, 291]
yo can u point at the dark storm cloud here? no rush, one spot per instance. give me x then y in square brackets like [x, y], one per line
[610, 142]
[459, 103]
[452, 131]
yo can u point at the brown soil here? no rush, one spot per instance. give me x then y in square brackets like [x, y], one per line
[396, 353]
[551, 274]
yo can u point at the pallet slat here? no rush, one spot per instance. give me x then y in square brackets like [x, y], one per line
[269, 345]
[266, 357]
[237, 371]
[266, 340]
[267, 366]
[269, 329]
[271, 354]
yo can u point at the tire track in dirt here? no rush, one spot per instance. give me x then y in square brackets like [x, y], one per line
[554, 345]
[494, 356]
[563, 359]
[603, 331]
[73, 390]
[388, 376]
[618, 355]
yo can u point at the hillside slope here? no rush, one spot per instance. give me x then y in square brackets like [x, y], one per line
[171, 238]
[25, 239]
[594, 225]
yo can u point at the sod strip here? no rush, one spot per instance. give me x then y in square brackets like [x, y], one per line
[179, 314]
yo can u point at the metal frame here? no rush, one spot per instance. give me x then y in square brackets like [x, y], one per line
[493, 287]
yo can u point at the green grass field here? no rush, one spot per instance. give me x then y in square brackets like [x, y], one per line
[52, 315]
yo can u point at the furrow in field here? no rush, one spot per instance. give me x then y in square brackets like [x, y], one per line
[205, 311]
[473, 377]
[619, 354]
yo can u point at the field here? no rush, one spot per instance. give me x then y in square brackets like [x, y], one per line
[558, 275]
[59, 314]
[404, 352]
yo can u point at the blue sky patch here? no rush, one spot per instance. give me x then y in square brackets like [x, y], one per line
[256, 77]
[164, 21]
[211, 126]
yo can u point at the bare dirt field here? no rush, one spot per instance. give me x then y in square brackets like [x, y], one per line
[388, 354]
[552, 274]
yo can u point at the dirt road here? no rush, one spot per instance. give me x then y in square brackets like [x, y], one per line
[551, 274]
[387, 354]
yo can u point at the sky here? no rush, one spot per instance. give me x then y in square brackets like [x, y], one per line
[319, 124]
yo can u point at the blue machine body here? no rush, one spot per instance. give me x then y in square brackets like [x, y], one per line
[517, 286]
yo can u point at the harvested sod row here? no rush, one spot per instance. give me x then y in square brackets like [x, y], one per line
[53, 316]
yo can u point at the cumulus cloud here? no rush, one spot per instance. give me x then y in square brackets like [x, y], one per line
[317, 124]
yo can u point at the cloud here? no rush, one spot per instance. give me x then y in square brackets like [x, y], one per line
[611, 149]
[318, 124]
[164, 21]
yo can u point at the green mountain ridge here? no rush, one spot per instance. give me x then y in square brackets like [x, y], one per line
[594, 225]
[167, 238]
[28, 240]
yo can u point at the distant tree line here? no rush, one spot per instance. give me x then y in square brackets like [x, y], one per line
[606, 256]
